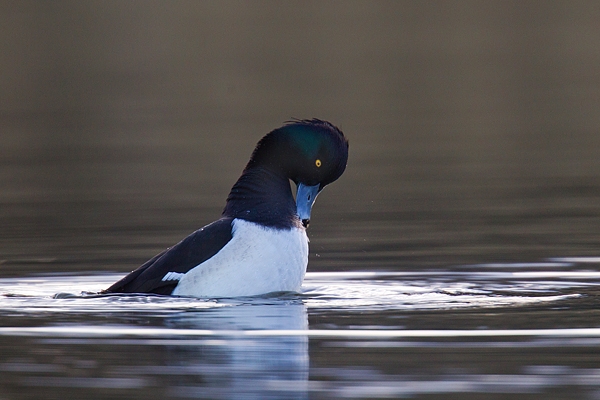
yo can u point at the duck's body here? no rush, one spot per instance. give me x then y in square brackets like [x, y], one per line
[282, 255]
[260, 244]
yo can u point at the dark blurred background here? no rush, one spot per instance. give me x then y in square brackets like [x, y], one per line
[474, 126]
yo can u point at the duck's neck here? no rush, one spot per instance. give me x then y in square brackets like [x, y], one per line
[263, 196]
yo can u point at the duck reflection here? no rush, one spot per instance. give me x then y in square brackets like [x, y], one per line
[231, 365]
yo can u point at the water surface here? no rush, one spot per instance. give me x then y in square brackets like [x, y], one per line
[350, 335]
[456, 258]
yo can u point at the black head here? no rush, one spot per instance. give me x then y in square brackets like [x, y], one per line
[311, 152]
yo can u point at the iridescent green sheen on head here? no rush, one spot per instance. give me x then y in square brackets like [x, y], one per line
[311, 153]
[307, 139]
[306, 151]
[321, 149]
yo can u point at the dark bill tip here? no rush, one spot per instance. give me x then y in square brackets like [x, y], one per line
[305, 222]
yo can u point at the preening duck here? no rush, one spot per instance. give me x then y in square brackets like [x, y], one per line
[259, 245]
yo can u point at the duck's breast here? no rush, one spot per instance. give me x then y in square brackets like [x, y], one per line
[255, 261]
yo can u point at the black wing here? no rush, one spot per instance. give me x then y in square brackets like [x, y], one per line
[185, 255]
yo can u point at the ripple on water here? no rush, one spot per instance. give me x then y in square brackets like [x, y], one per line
[444, 327]
[464, 287]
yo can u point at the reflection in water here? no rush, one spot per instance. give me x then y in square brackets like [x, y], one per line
[235, 366]
[199, 354]
[373, 334]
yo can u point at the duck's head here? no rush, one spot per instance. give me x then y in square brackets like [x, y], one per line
[312, 153]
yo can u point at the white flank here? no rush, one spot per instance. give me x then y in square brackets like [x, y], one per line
[255, 261]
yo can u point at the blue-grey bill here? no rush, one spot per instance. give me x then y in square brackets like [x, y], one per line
[305, 198]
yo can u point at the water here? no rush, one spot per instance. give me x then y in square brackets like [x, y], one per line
[518, 329]
[456, 258]
[426, 284]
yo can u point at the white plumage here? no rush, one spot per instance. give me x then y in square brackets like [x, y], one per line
[255, 261]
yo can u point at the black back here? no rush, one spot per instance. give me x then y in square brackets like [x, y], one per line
[185, 255]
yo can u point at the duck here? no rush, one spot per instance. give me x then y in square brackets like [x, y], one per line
[259, 245]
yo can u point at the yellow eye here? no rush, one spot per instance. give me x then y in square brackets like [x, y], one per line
[318, 163]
